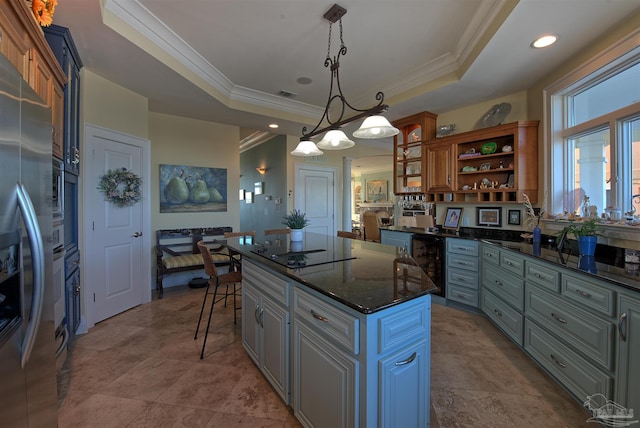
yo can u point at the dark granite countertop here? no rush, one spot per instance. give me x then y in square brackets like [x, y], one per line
[365, 276]
[608, 264]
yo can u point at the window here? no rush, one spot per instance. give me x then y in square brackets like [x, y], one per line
[595, 140]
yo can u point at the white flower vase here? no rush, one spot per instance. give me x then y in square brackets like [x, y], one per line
[296, 235]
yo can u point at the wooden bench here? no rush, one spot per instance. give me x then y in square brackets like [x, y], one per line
[177, 251]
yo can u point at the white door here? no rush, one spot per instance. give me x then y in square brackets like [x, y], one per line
[316, 196]
[116, 273]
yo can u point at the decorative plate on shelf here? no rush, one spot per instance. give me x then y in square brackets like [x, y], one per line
[489, 148]
[495, 115]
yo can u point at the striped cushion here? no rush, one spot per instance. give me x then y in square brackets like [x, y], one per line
[191, 260]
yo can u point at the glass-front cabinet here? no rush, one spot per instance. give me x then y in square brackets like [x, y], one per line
[409, 166]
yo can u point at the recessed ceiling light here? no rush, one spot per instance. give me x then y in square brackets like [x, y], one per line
[544, 41]
[273, 125]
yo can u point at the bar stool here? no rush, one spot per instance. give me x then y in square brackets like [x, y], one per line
[231, 278]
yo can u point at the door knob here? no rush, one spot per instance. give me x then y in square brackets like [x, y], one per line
[137, 234]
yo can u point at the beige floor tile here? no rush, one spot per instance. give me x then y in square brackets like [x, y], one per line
[203, 386]
[149, 379]
[102, 411]
[142, 368]
[254, 396]
[158, 415]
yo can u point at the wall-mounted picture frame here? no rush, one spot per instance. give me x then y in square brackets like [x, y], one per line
[376, 190]
[514, 217]
[489, 216]
[485, 166]
[241, 195]
[192, 189]
[258, 188]
[452, 219]
[248, 197]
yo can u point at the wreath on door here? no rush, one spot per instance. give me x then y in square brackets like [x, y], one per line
[121, 187]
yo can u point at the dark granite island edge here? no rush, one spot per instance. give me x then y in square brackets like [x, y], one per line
[368, 277]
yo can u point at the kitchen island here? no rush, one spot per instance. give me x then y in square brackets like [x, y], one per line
[339, 327]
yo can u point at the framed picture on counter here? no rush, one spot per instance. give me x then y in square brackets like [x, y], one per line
[489, 217]
[452, 219]
[514, 217]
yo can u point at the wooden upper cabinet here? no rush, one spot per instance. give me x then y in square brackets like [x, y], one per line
[22, 42]
[439, 167]
[409, 167]
[496, 164]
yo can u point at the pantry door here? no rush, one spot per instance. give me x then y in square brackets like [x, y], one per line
[315, 195]
[117, 250]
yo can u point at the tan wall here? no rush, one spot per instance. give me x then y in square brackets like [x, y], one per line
[181, 141]
[108, 105]
[467, 118]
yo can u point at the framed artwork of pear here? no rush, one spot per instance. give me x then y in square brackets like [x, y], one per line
[192, 189]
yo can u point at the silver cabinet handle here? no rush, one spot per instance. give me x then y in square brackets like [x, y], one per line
[498, 313]
[499, 283]
[407, 361]
[621, 321]
[557, 318]
[318, 316]
[558, 362]
[262, 317]
[137, 234]
[255, 314]
[509, 263]
[583, 293]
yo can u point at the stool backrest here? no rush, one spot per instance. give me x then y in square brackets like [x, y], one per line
[345, 234]
[247, 233]
[209, 266]
[277, 231]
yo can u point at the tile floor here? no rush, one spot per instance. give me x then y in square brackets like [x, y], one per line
[142, 369]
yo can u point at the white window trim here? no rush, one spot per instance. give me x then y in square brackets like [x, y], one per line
[615, 56]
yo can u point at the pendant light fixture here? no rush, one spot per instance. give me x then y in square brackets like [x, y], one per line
[374, 126]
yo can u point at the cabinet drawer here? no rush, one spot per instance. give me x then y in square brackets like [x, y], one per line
[509, 287]
[512, 263]
[587, 292]
[578, 375]
[463, 278]
[275, 288]
[509, 320]
[490, 254]
[462, 295]
[400, 328]
[327, 320]
[543, 276]
[462, 246]
[460, 261]
[588, 334]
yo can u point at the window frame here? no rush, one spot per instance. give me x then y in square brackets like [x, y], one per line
[560, 124]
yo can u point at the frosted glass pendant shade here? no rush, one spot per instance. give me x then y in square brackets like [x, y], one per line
[306, 148]
[335, 140]
[376, 127]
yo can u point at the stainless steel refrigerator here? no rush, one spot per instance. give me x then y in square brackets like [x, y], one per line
[28, 396]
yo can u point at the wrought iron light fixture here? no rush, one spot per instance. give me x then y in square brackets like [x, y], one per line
[374, 126]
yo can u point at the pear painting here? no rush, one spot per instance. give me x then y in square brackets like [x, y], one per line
[192, 189]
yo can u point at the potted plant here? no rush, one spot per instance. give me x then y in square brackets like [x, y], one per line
[296, 221]
[585, 232]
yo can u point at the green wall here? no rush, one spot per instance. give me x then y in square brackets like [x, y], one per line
[264, 212]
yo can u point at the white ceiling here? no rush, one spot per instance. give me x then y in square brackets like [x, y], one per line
[226, 60]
